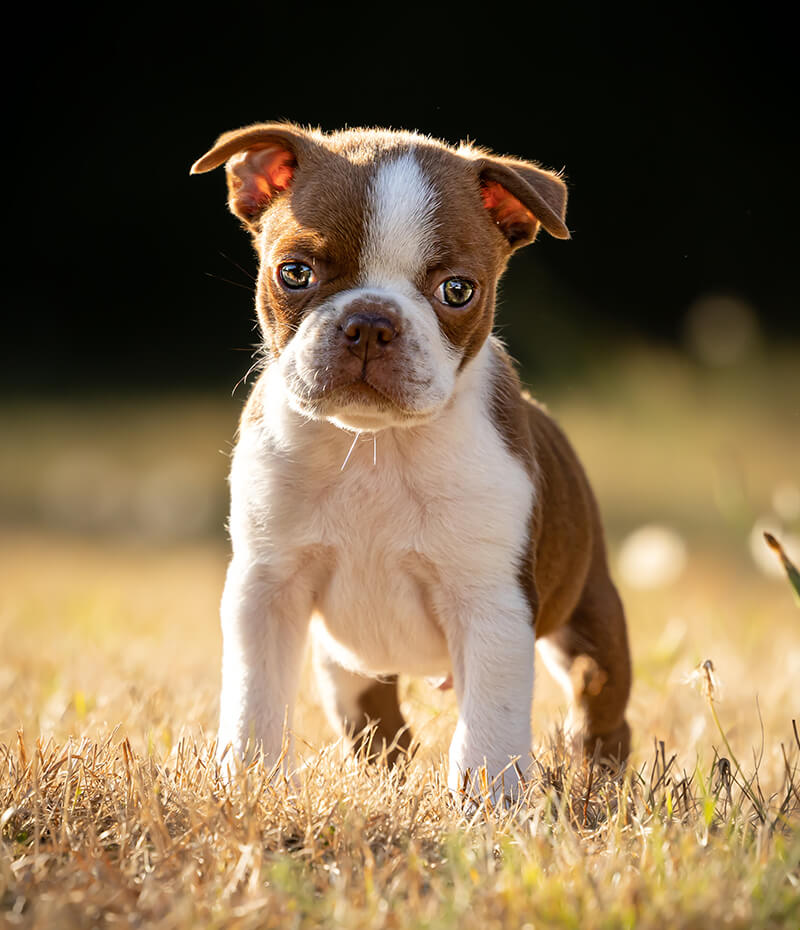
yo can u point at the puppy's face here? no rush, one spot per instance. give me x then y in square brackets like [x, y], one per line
[380, 254]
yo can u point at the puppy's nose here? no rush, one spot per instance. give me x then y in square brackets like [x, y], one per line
[367, 333]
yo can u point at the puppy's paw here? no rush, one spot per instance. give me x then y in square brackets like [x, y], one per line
[474, 789]
[612, 748]
[235, 761]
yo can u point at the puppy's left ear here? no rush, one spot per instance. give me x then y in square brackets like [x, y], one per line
[520, 197]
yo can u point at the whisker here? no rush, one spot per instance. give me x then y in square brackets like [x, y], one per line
[219, 277]
[258, 363]
[244, 271]
[347, 459]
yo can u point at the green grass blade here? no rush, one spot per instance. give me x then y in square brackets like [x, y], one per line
[791, 570]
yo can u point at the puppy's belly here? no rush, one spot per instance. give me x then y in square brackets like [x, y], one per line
[375, 621]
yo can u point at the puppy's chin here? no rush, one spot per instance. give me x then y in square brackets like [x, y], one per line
[359, 407]
[367, 421]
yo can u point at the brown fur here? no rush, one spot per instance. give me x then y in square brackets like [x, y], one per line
[381, 726]
[565, 573]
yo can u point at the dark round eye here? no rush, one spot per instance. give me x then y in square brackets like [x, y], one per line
[455, 292]
[296, 275]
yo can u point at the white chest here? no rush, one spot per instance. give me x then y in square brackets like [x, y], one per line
[391, 548]
[381, 551]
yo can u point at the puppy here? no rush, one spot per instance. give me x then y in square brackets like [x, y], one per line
[394, 496]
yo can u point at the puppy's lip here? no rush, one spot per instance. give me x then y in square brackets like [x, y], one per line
[359, 389]
[361, 392]
[364, 387]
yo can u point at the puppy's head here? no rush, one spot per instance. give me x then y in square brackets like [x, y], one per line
[380, 254]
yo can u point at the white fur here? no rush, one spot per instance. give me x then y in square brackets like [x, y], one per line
[400, 222]
[557, 665]
[338, 687]
[411, 564]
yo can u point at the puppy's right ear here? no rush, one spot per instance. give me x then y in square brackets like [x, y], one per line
[260, 162]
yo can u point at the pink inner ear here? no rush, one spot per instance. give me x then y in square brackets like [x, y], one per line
[282, 171]
[510, 214]
[261, 173]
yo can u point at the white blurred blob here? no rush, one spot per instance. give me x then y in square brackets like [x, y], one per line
[786, 501]
[763, 556]
[651, 557]
[721, 330]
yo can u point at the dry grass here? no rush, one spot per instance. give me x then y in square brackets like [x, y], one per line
[96, 833]
[112, 814]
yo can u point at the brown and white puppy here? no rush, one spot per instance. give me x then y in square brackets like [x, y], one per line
[394, 494]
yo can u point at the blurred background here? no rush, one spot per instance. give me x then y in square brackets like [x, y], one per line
[665, 336]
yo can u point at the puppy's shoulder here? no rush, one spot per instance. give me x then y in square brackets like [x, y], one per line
[524, 423]
[507, 406]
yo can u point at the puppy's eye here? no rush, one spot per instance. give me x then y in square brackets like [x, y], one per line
[295, 275]
[455, 292]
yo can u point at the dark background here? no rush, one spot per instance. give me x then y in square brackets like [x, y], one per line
[677, 132]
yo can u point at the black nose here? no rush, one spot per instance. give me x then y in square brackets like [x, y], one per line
[366, 333]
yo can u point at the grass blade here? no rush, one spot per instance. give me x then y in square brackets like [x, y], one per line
[791, 570]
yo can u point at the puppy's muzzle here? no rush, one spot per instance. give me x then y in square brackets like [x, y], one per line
[361, 356]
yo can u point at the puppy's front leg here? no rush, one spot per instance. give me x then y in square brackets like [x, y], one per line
[493, 679]
[264, 626]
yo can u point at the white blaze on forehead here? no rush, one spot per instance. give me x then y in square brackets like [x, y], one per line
[400, 223]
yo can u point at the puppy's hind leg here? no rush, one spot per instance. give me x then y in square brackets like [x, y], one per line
[589, 657]
[364, 710]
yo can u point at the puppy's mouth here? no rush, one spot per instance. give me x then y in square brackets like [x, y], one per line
[355, 402]
[363, 392]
